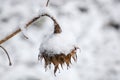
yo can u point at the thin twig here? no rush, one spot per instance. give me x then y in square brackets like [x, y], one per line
[47, 3]
[57, 28]
[7, 55]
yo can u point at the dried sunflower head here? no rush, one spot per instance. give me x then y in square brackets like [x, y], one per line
[59, 49]
[58, 59]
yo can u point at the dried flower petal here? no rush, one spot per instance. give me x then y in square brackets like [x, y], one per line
[58, 59]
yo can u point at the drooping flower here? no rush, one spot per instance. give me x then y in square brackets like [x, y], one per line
[58, 49]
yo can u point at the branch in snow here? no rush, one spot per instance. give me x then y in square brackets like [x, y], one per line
[7, 55]
[56, 26]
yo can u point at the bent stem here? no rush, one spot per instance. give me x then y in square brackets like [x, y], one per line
[7, 55]
[57, 28]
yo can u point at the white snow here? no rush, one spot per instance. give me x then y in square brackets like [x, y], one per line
[59, 43]
[86, 21]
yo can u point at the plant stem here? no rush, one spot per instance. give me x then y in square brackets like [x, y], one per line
[47, 3]
[7, 55]
[57, 28]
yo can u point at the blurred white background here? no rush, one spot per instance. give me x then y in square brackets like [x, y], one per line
[94, 23]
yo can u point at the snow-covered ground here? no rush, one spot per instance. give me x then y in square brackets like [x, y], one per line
[94, 23]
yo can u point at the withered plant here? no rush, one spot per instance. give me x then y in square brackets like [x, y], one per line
[49, 57]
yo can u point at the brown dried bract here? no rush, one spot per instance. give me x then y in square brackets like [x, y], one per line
[58, 59]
